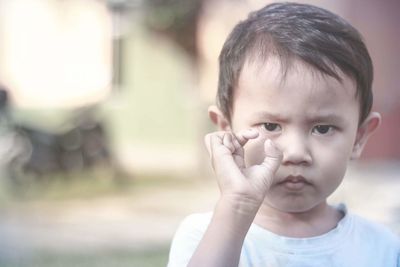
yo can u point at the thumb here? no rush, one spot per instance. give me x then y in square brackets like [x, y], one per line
[273, 156]
[266, 170]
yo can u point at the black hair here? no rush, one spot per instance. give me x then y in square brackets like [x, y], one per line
[316, 36]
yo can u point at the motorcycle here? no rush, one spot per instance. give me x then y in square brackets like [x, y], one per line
[26, 150]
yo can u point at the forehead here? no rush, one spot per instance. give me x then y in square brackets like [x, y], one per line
[270, 73]
[299, 87]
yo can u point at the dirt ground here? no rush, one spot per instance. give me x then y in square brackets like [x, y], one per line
[146, 217]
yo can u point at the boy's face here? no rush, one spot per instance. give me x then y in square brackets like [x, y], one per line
[311, 117]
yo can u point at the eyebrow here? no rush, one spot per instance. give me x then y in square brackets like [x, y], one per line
[328, 117]
[271, 116]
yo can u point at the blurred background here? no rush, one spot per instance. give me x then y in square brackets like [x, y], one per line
[103, 109]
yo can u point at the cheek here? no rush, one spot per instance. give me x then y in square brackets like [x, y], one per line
[332, 163]
[337, 152]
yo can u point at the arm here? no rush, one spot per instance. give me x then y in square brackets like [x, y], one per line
[242, 192]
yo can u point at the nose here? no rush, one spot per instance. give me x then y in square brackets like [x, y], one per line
[296, 150]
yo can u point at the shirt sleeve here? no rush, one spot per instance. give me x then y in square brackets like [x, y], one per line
[186, 239]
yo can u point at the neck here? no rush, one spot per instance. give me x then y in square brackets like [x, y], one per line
[316, 221]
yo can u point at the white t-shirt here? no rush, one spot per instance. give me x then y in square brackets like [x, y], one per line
[354, 242]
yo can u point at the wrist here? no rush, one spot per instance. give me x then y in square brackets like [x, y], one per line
[235, 214]
[222, 242]
[240, 206]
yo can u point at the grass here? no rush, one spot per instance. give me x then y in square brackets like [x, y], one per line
[91, 184]
[155, 257]
[88, 183]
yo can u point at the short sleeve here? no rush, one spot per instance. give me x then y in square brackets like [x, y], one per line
[187, 238]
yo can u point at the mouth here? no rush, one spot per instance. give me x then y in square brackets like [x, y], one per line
[294, 183]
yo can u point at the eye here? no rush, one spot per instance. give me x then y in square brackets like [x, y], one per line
[323, 129]
[271, 127]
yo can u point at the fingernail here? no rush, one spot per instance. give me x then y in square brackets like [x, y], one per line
[252, 131]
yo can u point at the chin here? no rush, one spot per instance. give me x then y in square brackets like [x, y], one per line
[292, 205]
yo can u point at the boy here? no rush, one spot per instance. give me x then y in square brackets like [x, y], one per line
[294, 106]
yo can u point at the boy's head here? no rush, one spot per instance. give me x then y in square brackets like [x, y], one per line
[302, 77]
[293, 31]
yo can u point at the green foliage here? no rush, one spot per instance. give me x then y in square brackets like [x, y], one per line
[177, 19]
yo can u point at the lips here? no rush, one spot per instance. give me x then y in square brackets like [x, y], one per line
[294, 183]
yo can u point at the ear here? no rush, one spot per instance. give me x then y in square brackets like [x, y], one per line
[364, 131]
[218, 118]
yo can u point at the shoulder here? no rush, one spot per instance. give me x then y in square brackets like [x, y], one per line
[380, 234]
[375, 240]
[366, 226]
[187, 237]
[197, 222]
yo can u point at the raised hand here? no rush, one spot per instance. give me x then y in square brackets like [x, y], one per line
[243, 189]
[235, 179]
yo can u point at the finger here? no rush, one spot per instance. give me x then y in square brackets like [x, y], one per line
[273, 157]
[236, 143]
[221, 156]
[246, 135]
[215, 140]
[238, 155]
[227, 141]
[272, 151]
[207, 140]
[240, 139]
[265, 172]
